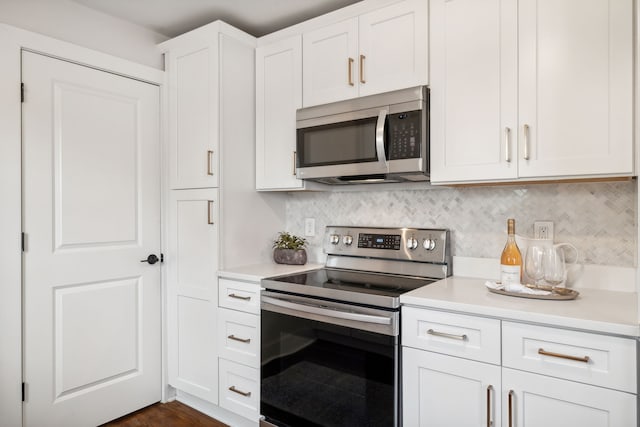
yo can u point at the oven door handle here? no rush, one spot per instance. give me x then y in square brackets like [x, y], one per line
[382, 155]
[305, 308]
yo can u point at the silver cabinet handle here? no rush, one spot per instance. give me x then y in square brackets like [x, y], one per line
[243, 393]
[462, 337]
[489, 391]
[511, 393]
[295, 154]
[526, 142]
[245, 340]
[210, 162]
[507, 145]
[210, 212]
[584, 359]
[239, 297]
[362, 58]
[306, 308]
[382, 155]
[350, 71]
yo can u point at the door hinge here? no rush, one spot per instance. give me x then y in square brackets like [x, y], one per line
[24, 240]
[24, 387]
[161, 257]
[21, 92]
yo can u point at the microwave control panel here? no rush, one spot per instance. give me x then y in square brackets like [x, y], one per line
[405, 140]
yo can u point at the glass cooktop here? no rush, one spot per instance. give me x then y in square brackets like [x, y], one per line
[381, 290]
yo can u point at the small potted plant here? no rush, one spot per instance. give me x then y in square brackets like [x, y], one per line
[289, 249]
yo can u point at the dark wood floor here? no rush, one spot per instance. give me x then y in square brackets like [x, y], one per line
[172, 414]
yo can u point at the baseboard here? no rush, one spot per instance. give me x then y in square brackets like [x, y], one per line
[214, 411]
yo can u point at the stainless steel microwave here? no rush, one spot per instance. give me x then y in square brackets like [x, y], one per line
[377, 138]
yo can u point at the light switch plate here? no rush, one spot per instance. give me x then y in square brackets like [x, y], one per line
[309, 227]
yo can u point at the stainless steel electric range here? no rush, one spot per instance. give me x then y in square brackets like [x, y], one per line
[330, 338]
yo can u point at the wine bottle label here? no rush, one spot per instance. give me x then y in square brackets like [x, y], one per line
[509, 274]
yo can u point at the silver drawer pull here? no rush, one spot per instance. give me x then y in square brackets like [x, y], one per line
[243, 393]
[239, 297]
[233, 337]
[584, 359]
[462, 337]
[210, 162]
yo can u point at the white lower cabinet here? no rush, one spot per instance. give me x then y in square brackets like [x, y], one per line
[239, 347]
[539, 400]
[545, 377]
[192, 297]
[441, 390]
[240, 389]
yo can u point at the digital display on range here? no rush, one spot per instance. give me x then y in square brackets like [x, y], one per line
[379, 241]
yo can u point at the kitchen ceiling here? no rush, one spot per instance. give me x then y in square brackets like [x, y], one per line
[173, 17]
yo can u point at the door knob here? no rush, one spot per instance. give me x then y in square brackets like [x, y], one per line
[151, 259]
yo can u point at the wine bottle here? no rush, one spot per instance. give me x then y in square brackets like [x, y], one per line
[511, 259]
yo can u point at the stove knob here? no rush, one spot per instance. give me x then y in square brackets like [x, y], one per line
[334, 239]
[429, 244]
[347, 240]
[412, 243]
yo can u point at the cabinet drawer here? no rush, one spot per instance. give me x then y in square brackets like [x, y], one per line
[579, 356]
[236, 295]
[471, 337]
[239, 337]
[239, 389]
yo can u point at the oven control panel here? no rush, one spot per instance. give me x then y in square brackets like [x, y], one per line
[407, 244]
[379, 241]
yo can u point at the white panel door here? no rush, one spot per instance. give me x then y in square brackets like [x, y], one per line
[576, 87]
[473, 81]
[91, 194]
[278, 95]
[393, 48]
[441, 390]
[329, 63]
[193, 115]
[192, 294]
[540, 401]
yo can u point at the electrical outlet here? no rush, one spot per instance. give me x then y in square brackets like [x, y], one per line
[543, 230]
[309, 227]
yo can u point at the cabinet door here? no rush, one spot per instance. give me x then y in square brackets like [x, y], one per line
[537, 400]
[278, 95]
[192, 297]
[393, 47]
[441, 390]
[576, 87]
[329, 63]
[473, 80]
[193, 115]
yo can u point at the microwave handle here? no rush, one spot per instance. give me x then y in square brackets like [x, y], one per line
[382, 155]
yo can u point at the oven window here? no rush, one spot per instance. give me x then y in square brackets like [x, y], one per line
[350, 142]
[318, 374]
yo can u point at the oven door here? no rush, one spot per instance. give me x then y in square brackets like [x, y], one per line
[345, 144]
[323, 364]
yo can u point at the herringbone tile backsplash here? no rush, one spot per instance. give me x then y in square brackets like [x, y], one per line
[598, 218]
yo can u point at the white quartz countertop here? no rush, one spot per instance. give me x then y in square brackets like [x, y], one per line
[256, 272]
[593, 310]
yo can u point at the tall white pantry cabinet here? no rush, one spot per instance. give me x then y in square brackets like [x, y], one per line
[211, 193]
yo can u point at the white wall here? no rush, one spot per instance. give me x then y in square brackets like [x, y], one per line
[74, 23]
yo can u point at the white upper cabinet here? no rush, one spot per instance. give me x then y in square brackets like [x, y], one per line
[192, 69]
[393, 48]
[530, 89]
[278, 95]
[329, 67]
[379, 51]
[473, 89]
[576, 87]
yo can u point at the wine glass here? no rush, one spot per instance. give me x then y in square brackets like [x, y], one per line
[533, 263]
[555, 272]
